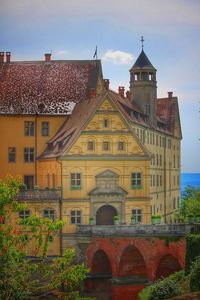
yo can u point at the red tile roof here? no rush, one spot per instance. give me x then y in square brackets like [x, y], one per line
[46, 87]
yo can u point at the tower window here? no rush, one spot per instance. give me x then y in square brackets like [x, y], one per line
[137, 76]
[150, 76]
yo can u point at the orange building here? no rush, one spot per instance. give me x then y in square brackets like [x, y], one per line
[112, 155]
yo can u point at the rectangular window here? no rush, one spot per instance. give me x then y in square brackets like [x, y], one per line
[157, 180]
[29, 155]
[136, 180]
[90, 145]
[106, 145]
[174, 203]
[160, 160]
[29, 128]
[50, 214]
[137, 213]
[75, 181]
[75, 217]
[45, 128]
[121, 146]
[24, 214]
[29, 181]
[53, 181]
[160, 180]
[11, 154]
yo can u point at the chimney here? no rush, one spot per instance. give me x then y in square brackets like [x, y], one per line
[1, 57]
[47, 57]
[170, 94]
[128, 95]
[106, 84]
[121, 90]
[92, 93]
[8, 56]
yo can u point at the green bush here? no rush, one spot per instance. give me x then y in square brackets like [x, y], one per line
[192, 250]
[164, 288]
[195, 275]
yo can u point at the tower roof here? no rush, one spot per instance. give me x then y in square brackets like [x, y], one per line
[143, 62]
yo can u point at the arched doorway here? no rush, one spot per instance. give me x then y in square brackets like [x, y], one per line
[132, 264]
[167, 265]
[105, 214]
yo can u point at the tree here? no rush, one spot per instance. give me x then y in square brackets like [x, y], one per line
[190, 204]
[17, 273]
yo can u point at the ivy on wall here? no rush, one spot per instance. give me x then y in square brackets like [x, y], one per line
[192, 250]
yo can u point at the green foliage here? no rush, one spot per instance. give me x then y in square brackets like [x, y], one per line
[192, 250]
[195, 275]
[66, 275]
[17, 273]
[169, 239]
[190, 204]
[164, 288]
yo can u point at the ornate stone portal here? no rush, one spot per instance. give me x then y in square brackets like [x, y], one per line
[107, 199]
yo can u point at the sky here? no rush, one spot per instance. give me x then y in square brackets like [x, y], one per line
[71, 29]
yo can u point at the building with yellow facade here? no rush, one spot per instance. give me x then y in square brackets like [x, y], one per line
[86, 153]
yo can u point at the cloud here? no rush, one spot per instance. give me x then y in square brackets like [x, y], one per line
[118, 57]
[61, 53]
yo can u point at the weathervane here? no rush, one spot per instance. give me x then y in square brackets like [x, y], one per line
[142, 41]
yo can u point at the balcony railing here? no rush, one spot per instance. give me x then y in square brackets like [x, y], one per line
[137, 230]
[51, 194]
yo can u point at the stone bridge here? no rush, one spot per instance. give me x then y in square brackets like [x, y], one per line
[124, 259]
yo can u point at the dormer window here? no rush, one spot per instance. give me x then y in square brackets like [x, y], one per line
[105, 123]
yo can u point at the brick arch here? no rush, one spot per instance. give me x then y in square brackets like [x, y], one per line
[132, 263]
[101, 263]
[167, 265]
[109, 251]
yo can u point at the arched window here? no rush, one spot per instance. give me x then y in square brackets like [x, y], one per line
[106, 123]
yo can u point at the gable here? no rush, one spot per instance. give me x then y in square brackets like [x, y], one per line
[120, 138]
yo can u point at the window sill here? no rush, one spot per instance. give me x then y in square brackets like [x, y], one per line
[138, 187]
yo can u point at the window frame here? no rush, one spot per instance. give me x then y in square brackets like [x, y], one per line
[121, 143]
[106, 123]
[43, 128]
[12, 154]
[138, 216]
[47, 213]
[29, 154]
[137, 177]
[23, 215]
[76, 182]
[90, 145]
[106, 145]
[76, 216]
[29, 128]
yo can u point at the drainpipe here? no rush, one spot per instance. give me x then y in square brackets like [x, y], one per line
[60, 204]
[36, 144]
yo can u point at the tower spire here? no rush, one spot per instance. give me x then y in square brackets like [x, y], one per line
[142, 41]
